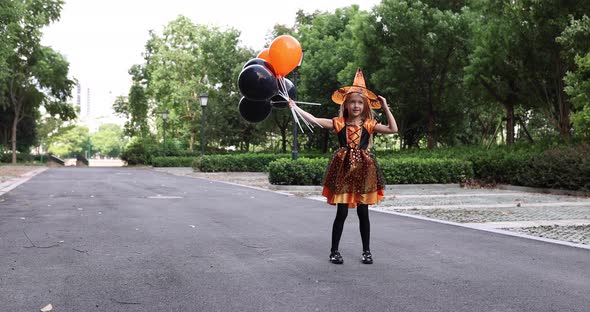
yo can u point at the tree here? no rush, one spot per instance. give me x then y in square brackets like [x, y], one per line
[575, 40]
[185, 61]
[496, 62]
[416, 54]
[108, 141]
[542, 22]
[36, 75]
[518, 59]
[328, 64]
[69, 141]
[578, 88]
[135, 108]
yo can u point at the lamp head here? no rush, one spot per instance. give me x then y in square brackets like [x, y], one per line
[203, 98]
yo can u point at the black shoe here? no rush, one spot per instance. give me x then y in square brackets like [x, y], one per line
[336, 258]
[367, 257]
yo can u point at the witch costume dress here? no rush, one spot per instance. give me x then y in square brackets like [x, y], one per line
[353, 176]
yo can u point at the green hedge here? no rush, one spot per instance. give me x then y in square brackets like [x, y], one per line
[422, 171]
[500, 167]
[236, 163]
[558, 168]
[396, 171]
[564, 167]
[173, 161]
[303, 171]
[6, 157]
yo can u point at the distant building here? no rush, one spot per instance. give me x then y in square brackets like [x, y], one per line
[94, 107]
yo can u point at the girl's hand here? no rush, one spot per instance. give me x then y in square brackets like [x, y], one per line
[292, 103]
[383, 102]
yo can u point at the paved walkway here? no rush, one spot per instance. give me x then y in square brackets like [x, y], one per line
[555, 217]
[125, 239]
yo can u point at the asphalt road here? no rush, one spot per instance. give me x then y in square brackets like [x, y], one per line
[118, 239]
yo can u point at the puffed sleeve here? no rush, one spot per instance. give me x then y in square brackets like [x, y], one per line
[370, 125]
[338, 123]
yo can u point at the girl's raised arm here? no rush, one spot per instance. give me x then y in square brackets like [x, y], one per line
[391, 124]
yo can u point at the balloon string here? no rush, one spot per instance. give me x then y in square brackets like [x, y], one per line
[298, 102]
[299, 110]
[296, 119]
[304, 120]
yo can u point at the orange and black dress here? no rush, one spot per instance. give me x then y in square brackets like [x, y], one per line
[353, 176]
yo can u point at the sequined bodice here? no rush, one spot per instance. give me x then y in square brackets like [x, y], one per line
[354, 137]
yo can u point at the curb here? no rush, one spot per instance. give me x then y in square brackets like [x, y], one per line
[487, 229]
[388, 187]
[479, 228]
[528, 189]
[11, 184]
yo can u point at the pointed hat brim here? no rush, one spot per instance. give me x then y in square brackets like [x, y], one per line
[358, 86]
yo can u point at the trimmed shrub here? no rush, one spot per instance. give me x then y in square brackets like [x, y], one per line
[560, 168]
[500, 167]
[173, 161]
[140, 151]
[303, 171]
[422, 171]
[236, 163]
[396, 171]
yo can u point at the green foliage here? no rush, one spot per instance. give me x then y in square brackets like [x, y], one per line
[31, 74]
[69, 141]
[236, 163]
[22, 158]
[189, 59]
[578, 88]
[139, 151]
[303, 171]
[135, 107]
[559, 168]
[422, 171]
[414, 55]
[329, 49]
[173, 161]
[108, 141]
[306, 171]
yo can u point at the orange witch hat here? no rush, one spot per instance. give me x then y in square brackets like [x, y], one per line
[358, 86]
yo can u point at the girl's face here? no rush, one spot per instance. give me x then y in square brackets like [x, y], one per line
[355, 105]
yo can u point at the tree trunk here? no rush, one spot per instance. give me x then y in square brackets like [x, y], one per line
[563, 102]
[14, 127]
[191, 142]
[283, 139]
[509, 123]
[564, 118]
[431, 126]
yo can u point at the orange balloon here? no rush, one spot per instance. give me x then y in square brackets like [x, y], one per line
[264, 55]
[285, 54]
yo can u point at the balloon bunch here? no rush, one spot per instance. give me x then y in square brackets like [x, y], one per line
[262, 80]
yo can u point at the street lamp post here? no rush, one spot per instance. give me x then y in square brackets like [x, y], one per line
[164, 118]
[295, 151]
[203, 98]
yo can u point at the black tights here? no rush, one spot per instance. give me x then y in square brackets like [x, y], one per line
[362, 211]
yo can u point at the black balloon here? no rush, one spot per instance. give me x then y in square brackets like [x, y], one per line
[259, 61]
[254, 111]
[279, 101]
[257, 83]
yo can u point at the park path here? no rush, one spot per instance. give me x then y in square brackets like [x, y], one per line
[121, 239]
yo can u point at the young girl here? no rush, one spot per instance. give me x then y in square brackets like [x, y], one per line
[353, 178]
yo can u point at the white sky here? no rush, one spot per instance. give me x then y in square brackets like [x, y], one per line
[103, 39]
